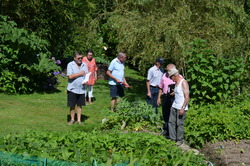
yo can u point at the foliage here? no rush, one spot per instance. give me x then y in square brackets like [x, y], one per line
[52, 20]
[212, 78]
[247, 6]
[24, 59]
[149, 29]
[143, 148]
[218, 122]
[135, 116]
[145, 29]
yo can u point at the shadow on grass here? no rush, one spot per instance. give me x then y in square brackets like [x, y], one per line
[137, 92]
[47, 91]
[83, 117]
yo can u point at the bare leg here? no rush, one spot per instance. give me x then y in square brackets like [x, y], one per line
[72, 113]
[112, 103]
[90, 102]
[90, 93]
[79, 113]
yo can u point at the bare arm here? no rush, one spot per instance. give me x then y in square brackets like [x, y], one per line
[112, 77]
[159, 97]
[185, 88]
[148, 88]
[125, 83]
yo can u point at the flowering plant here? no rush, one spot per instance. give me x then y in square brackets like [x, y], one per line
[52, 78]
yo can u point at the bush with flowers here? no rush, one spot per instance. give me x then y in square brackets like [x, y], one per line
[52, 78]
[24, 61]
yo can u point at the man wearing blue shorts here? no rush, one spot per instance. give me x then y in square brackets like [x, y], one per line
[117, 79]
[76, 71]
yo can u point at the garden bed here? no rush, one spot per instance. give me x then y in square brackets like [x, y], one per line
[228, 153]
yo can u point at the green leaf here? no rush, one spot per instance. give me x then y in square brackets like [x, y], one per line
[225, 76]
[219, 94]
[193, 76]
[232, 86]
[219, 79]
[208, 97]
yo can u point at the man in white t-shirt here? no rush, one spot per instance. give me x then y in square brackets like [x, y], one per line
[179, 107]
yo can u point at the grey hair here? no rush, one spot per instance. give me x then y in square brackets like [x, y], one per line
[121, 54]
[77, 53]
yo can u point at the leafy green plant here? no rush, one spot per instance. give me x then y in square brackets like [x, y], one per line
[24, 59]
[213, 78]
[104, 147]
[135, 115]
[218, 122]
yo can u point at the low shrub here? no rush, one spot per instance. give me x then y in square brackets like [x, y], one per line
[229, 121]
[81, 147]
[137, 115]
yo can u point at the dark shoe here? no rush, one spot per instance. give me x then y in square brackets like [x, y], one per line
[71, 122]
[164, 133]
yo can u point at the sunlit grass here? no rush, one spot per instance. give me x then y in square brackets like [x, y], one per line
[19, 113]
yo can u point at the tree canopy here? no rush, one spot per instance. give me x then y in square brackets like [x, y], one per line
[145, 29]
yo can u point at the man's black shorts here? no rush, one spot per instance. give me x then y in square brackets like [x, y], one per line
[116, 90]
[75, 99]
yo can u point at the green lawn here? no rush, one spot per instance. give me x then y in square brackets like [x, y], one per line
[19, 113]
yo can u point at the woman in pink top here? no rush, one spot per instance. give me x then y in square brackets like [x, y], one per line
[166, 87]
[91, 63]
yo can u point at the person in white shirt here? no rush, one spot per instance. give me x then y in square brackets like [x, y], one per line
[153, 79]
[179, 107]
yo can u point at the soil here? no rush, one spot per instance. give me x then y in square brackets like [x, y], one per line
[228, 153]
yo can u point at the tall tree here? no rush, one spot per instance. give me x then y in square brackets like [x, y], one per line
[147, 29]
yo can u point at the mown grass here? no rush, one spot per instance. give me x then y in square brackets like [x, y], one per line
[48, 111]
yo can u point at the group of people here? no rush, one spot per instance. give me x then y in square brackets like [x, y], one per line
[169, 89]
[172, 91]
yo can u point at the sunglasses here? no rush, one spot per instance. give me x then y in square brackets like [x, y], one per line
[79, 58]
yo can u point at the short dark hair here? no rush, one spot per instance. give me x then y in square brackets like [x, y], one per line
[89, 51]
[77, 53]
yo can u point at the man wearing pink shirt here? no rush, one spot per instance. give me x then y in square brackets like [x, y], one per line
[166, 86]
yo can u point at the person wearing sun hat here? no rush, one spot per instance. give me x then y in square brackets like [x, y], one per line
[179, 107]
[166, 98]
[153, 79]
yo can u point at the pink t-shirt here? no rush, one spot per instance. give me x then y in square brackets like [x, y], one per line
[165, 81]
